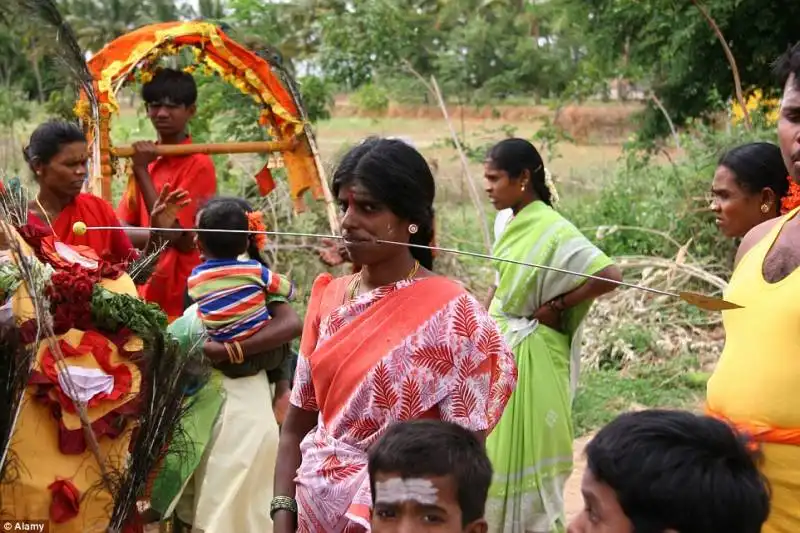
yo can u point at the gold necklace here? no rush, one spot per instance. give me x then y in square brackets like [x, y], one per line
[44, 212]
[355, 285]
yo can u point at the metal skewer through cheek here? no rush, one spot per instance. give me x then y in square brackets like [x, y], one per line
[709, 303]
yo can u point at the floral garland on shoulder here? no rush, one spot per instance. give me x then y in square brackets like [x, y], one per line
[792, 198]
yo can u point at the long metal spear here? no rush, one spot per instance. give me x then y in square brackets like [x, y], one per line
[709, 303]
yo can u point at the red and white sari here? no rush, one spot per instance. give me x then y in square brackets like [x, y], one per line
[415, 349]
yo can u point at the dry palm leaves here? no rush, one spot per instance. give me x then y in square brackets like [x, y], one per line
[630, 326]
[15, 369]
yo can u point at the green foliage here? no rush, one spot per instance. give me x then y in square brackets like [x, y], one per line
[317, 97]
[14, 107]
[61, 104]
[669, 47]
[604, 394]
[371, 98]
[112, 311]
[650, 209]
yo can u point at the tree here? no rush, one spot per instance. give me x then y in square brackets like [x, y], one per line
[671, 48]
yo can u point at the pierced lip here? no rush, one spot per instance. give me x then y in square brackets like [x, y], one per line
[351, 239]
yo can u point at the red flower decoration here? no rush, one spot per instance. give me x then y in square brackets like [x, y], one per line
[70, 295]
[792, 198]
[65, 501]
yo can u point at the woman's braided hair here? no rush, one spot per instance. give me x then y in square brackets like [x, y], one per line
[516, 155]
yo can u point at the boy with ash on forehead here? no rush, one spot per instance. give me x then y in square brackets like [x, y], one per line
[428, 475]
[671, 472]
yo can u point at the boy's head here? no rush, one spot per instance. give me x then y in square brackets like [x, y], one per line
[170, 98]
[222, 213]
[428, 475]
[670, 472]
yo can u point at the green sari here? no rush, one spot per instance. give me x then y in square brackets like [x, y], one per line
[531, 447]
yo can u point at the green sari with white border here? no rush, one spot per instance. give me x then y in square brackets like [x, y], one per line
[531, 447]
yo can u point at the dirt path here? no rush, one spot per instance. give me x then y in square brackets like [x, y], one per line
[573, 502]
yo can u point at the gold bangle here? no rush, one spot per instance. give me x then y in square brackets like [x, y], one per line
[239, 351]
[229, 349]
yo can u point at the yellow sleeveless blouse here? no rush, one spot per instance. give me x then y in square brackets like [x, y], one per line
[757, 379]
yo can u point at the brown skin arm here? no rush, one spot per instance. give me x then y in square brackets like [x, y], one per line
[753, 237]
[284, 326]
[592, 289]
[145, 154]
[163, 215]
[296, 426]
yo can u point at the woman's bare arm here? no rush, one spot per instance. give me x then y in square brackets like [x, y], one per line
[284, 326]
[594, 288]
[296, 426]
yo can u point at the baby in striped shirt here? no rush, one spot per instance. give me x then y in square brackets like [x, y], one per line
[231, 293]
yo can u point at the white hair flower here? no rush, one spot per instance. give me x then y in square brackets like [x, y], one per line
[551, 186]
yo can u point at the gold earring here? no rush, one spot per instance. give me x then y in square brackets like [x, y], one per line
[765, 208]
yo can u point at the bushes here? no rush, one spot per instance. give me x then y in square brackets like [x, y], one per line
[371, 99]
[652, 209]
[317, 98]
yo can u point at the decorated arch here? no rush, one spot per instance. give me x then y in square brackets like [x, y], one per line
[281, 113]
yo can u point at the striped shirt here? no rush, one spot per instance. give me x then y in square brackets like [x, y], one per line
[231, 296]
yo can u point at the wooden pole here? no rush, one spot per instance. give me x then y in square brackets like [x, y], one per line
[214, 148]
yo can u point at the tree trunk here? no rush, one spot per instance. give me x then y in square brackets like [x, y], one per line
[37, 74]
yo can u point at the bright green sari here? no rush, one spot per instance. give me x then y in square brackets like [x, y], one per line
[531, 447]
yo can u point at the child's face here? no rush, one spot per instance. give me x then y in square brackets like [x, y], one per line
[601, 510]
[418, 505]
[168, 118]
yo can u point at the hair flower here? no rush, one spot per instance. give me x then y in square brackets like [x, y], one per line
[255, 223]
[551, 186]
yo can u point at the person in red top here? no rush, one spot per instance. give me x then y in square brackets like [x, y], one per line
[57, 153]
[170, 98]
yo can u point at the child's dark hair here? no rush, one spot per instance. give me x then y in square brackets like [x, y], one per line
[788, 64]
[422, 448]
[678, 471]
[252, 249]
[758, 165]
[48, 139]
[171, 85]
[516, 155]
[223, 213]
[396, 175]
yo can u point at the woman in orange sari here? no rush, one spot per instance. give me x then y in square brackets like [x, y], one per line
[58, 155]
[393, 342]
